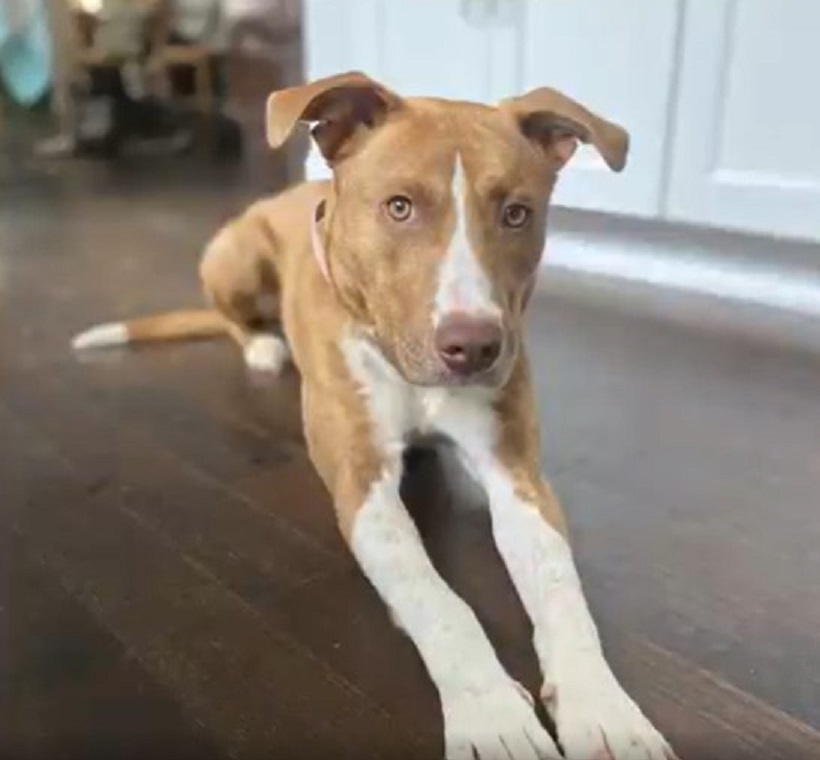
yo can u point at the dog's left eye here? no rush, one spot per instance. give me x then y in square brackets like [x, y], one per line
[399, 207]
[515, 215]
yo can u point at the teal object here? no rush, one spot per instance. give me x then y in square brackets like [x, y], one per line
[25, 56]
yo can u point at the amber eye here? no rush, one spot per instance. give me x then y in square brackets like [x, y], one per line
[515, 215]
[399, 207]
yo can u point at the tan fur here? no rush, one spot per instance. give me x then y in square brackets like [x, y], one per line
[177, 325]
[518, 447]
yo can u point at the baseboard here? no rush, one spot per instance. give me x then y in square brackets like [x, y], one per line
[775, 273]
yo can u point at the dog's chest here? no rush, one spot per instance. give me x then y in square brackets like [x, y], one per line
[399, 410]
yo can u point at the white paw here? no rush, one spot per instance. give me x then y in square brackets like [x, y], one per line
[496, 722]
[596, 719]
[266, 353]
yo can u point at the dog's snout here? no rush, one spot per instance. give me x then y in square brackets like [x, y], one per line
[468, 345]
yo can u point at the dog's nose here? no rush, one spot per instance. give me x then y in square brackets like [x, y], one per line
[468, 345]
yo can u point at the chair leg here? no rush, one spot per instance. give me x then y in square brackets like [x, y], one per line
[204, 86]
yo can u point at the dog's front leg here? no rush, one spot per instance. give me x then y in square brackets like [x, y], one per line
[486, 713]
[595, 718]
[484, 710]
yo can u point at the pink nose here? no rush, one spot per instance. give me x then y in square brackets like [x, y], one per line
[468, 345]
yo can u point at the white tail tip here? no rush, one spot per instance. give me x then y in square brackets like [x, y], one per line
[110, 334]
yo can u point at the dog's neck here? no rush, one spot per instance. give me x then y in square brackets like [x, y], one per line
[364, 332]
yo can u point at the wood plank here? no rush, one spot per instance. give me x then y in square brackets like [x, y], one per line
[70, 689]
[257, 688]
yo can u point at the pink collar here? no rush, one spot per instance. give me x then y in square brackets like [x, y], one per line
[316, 241]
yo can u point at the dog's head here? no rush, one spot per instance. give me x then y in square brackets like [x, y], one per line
[434, 230]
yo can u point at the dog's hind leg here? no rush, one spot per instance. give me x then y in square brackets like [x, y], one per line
[240, 281]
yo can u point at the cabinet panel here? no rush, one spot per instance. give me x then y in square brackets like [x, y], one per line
[429, 48]
[746, 150]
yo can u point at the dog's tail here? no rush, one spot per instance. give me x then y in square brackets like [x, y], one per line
[173, 325]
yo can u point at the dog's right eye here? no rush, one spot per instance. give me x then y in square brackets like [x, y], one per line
[399, 208]
[515, 216]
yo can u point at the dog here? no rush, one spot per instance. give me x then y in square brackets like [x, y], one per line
[399, 289]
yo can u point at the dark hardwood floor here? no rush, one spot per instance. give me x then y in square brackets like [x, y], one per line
[171, 579]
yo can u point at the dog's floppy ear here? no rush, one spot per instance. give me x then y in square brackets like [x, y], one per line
[557, 122]
[340, 107]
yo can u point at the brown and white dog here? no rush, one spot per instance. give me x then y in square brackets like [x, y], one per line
[400, 287]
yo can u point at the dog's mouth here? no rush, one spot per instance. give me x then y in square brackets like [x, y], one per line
[493, 377]
[486, 379]
[418, 363]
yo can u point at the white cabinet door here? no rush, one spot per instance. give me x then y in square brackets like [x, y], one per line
[618, 59]
[441, 48]
[339, 36]
[447, 48]
[747, 135]
[444, 48]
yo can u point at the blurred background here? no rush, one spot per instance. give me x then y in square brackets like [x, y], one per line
[156, 80]
[172, 581]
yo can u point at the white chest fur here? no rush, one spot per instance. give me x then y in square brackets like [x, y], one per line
[399, 409]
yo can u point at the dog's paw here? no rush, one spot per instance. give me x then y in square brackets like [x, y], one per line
[266, 353]
[494, 722]
[597, 720]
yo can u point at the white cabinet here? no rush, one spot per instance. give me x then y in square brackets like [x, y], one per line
[618, 59]
[747, 134]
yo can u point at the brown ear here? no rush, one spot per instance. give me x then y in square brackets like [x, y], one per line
[557, 122]
[340, 107]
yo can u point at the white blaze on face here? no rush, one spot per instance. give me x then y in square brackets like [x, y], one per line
[463, 285]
